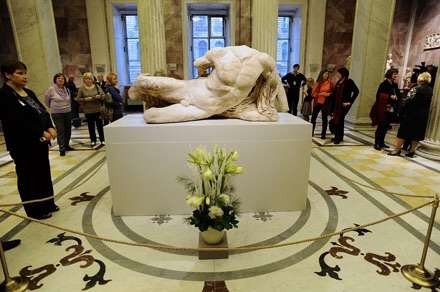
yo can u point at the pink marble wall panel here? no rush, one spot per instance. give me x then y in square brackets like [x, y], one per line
[339, 21]
[427, 21]
[73, 36]
[399, 32]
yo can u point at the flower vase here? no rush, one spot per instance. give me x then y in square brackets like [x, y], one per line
[212, 236]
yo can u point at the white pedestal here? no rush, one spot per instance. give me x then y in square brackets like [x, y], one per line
[145, 159]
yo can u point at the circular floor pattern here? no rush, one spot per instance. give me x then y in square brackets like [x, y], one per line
[136, 237]
[132, 264]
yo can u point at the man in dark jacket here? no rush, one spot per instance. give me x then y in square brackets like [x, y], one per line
[295, 80]
[343, 97]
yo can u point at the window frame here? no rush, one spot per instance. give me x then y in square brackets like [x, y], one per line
[290, 16]
[210, 14]
[124, 15]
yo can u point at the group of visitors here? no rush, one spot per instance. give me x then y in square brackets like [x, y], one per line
[410, 111]
[324, 96]
[335, 98]
[29, 128]
[100, 101]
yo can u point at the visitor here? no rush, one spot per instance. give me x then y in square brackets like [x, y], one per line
[344, 95]
[414, 115]
[384, 110]
[322, 90]
[295, 80]
[90, 96]
[117, 101]
[28, 131]
[73, 90]
[57, 98]
[306, 107]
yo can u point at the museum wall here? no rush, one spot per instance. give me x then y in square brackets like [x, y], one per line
[427, 21]
[399, 32]
[73, 36]
[8, 50]
[339, 21]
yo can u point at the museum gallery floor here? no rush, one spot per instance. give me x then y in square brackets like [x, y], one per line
[61, 261]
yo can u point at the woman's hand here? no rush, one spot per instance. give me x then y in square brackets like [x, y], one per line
[47, 136]
[52, 132]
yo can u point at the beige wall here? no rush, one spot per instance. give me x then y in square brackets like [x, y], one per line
[315, 26]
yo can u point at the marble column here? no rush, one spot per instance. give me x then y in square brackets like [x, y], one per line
[430, 147]
[98, 35]
[265, 26]
[36, 40]
[371, 33]
[315, 37]
[152, 36]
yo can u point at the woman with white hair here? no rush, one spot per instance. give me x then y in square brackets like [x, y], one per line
[414, 115]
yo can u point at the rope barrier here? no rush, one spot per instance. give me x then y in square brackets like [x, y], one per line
[86, 179]
[250, 248]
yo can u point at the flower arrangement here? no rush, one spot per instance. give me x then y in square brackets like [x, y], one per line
[210, 191]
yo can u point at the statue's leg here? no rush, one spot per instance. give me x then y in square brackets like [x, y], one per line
[252, 114]
[175, 113]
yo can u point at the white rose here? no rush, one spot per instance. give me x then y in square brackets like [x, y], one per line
[215, 211]
[225, 199]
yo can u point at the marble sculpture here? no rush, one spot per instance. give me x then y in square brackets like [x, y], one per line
[243, 84]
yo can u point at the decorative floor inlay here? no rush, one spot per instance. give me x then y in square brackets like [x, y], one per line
[78, 256]
[361, 260]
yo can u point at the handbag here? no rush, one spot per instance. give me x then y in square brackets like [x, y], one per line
[106, 108]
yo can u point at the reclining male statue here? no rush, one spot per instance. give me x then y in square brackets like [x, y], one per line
[243, 84]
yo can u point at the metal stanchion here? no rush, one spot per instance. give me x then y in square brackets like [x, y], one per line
[15, 284]
[418, 274]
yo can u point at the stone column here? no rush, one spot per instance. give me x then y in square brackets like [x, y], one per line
[265, 26]
[152, 36]
[98, 35]
[430, 147]
[315, 37]
[371, 33]
[36, 40]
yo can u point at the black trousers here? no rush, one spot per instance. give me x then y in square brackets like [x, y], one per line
[63, 123]
[92, 119]
[381, 131]
[293, 99]
[33, 177]
[324, 114]
[338, 130]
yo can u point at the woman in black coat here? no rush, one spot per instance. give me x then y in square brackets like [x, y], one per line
[384, 108]
[414, 115]
[28, 131]
[342, 99]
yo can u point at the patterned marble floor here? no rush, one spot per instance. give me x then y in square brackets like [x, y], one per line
[62, 261]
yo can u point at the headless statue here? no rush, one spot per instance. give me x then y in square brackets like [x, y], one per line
[243, 84]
